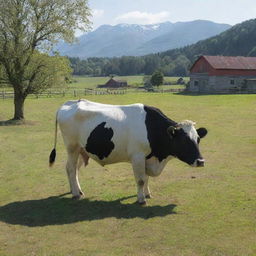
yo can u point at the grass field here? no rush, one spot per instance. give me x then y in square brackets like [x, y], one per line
[92, 82]
[134, 81]
[208, 211]
[84, 82]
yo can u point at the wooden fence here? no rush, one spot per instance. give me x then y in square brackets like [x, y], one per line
[74, 93]
[83, 92]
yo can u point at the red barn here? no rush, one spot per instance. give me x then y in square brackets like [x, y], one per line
[210, 74]
[114, 83]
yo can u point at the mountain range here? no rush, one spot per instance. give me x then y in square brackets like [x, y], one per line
[138, 40]
[239, 40]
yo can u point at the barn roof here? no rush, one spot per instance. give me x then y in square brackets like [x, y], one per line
[228, 62]
[117, 80]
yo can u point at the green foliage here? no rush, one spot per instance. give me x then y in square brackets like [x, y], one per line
[3, 81]
[42, 72]
[28, 26]
[157, 78]
[125, 66]
[55, 71]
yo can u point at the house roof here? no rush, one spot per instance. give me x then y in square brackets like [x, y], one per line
[228, 62]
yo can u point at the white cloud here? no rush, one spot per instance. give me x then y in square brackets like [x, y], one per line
[138, 17]
[97, 13]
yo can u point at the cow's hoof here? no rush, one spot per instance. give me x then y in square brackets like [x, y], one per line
[81, 193]
[148, 196]
[142, 203]
[76, 197]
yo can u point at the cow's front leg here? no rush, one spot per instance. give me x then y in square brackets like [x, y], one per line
[138, 164]
[72, 172]
[146, 188]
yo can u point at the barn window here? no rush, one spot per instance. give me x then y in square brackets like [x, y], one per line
[196, 83]
[232, 81]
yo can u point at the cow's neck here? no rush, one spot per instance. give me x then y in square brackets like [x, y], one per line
[160, 142]
[154, 167]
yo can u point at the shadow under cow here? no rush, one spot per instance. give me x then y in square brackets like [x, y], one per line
[59, 210]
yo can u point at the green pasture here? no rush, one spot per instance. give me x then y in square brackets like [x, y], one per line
[85, 82]
[93, 82]
[208, 211]
[79, 82]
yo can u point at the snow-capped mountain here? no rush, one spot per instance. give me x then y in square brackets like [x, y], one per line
[135, 40]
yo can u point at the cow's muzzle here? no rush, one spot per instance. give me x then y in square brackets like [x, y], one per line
[198, 163]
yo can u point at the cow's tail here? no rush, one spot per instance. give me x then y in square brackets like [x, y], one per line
[53, 153]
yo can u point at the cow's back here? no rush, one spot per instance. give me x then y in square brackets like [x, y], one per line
[109, 133]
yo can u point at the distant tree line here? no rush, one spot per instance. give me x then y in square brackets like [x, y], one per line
[131, 65]
[240, 40]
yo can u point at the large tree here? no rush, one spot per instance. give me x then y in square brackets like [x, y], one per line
[157, 78]
[29, 26]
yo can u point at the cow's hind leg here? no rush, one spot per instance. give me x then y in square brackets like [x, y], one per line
[84, 158]
[146, 188]
[72, 171]
[138, 164]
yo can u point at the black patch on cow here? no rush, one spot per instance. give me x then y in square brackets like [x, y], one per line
[99, 142]
[157, 124]
[177, 144]
[184, 148]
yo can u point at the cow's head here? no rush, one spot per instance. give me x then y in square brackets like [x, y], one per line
[185, 142]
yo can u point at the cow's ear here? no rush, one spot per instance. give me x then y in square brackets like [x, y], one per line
[172, 131]
[202, 132]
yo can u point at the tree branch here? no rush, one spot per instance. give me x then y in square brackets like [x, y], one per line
[30, 88]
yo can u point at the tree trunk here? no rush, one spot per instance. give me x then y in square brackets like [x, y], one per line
[19, 99]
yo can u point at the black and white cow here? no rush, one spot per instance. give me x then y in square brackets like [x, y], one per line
[139, 134]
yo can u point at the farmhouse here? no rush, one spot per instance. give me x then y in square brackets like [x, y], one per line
[113, 83]
[222, 74]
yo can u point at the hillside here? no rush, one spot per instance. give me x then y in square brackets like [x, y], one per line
[240, 40]
[137, 40]
[183, 34]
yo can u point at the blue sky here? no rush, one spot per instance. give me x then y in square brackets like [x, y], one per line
[155, 11]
